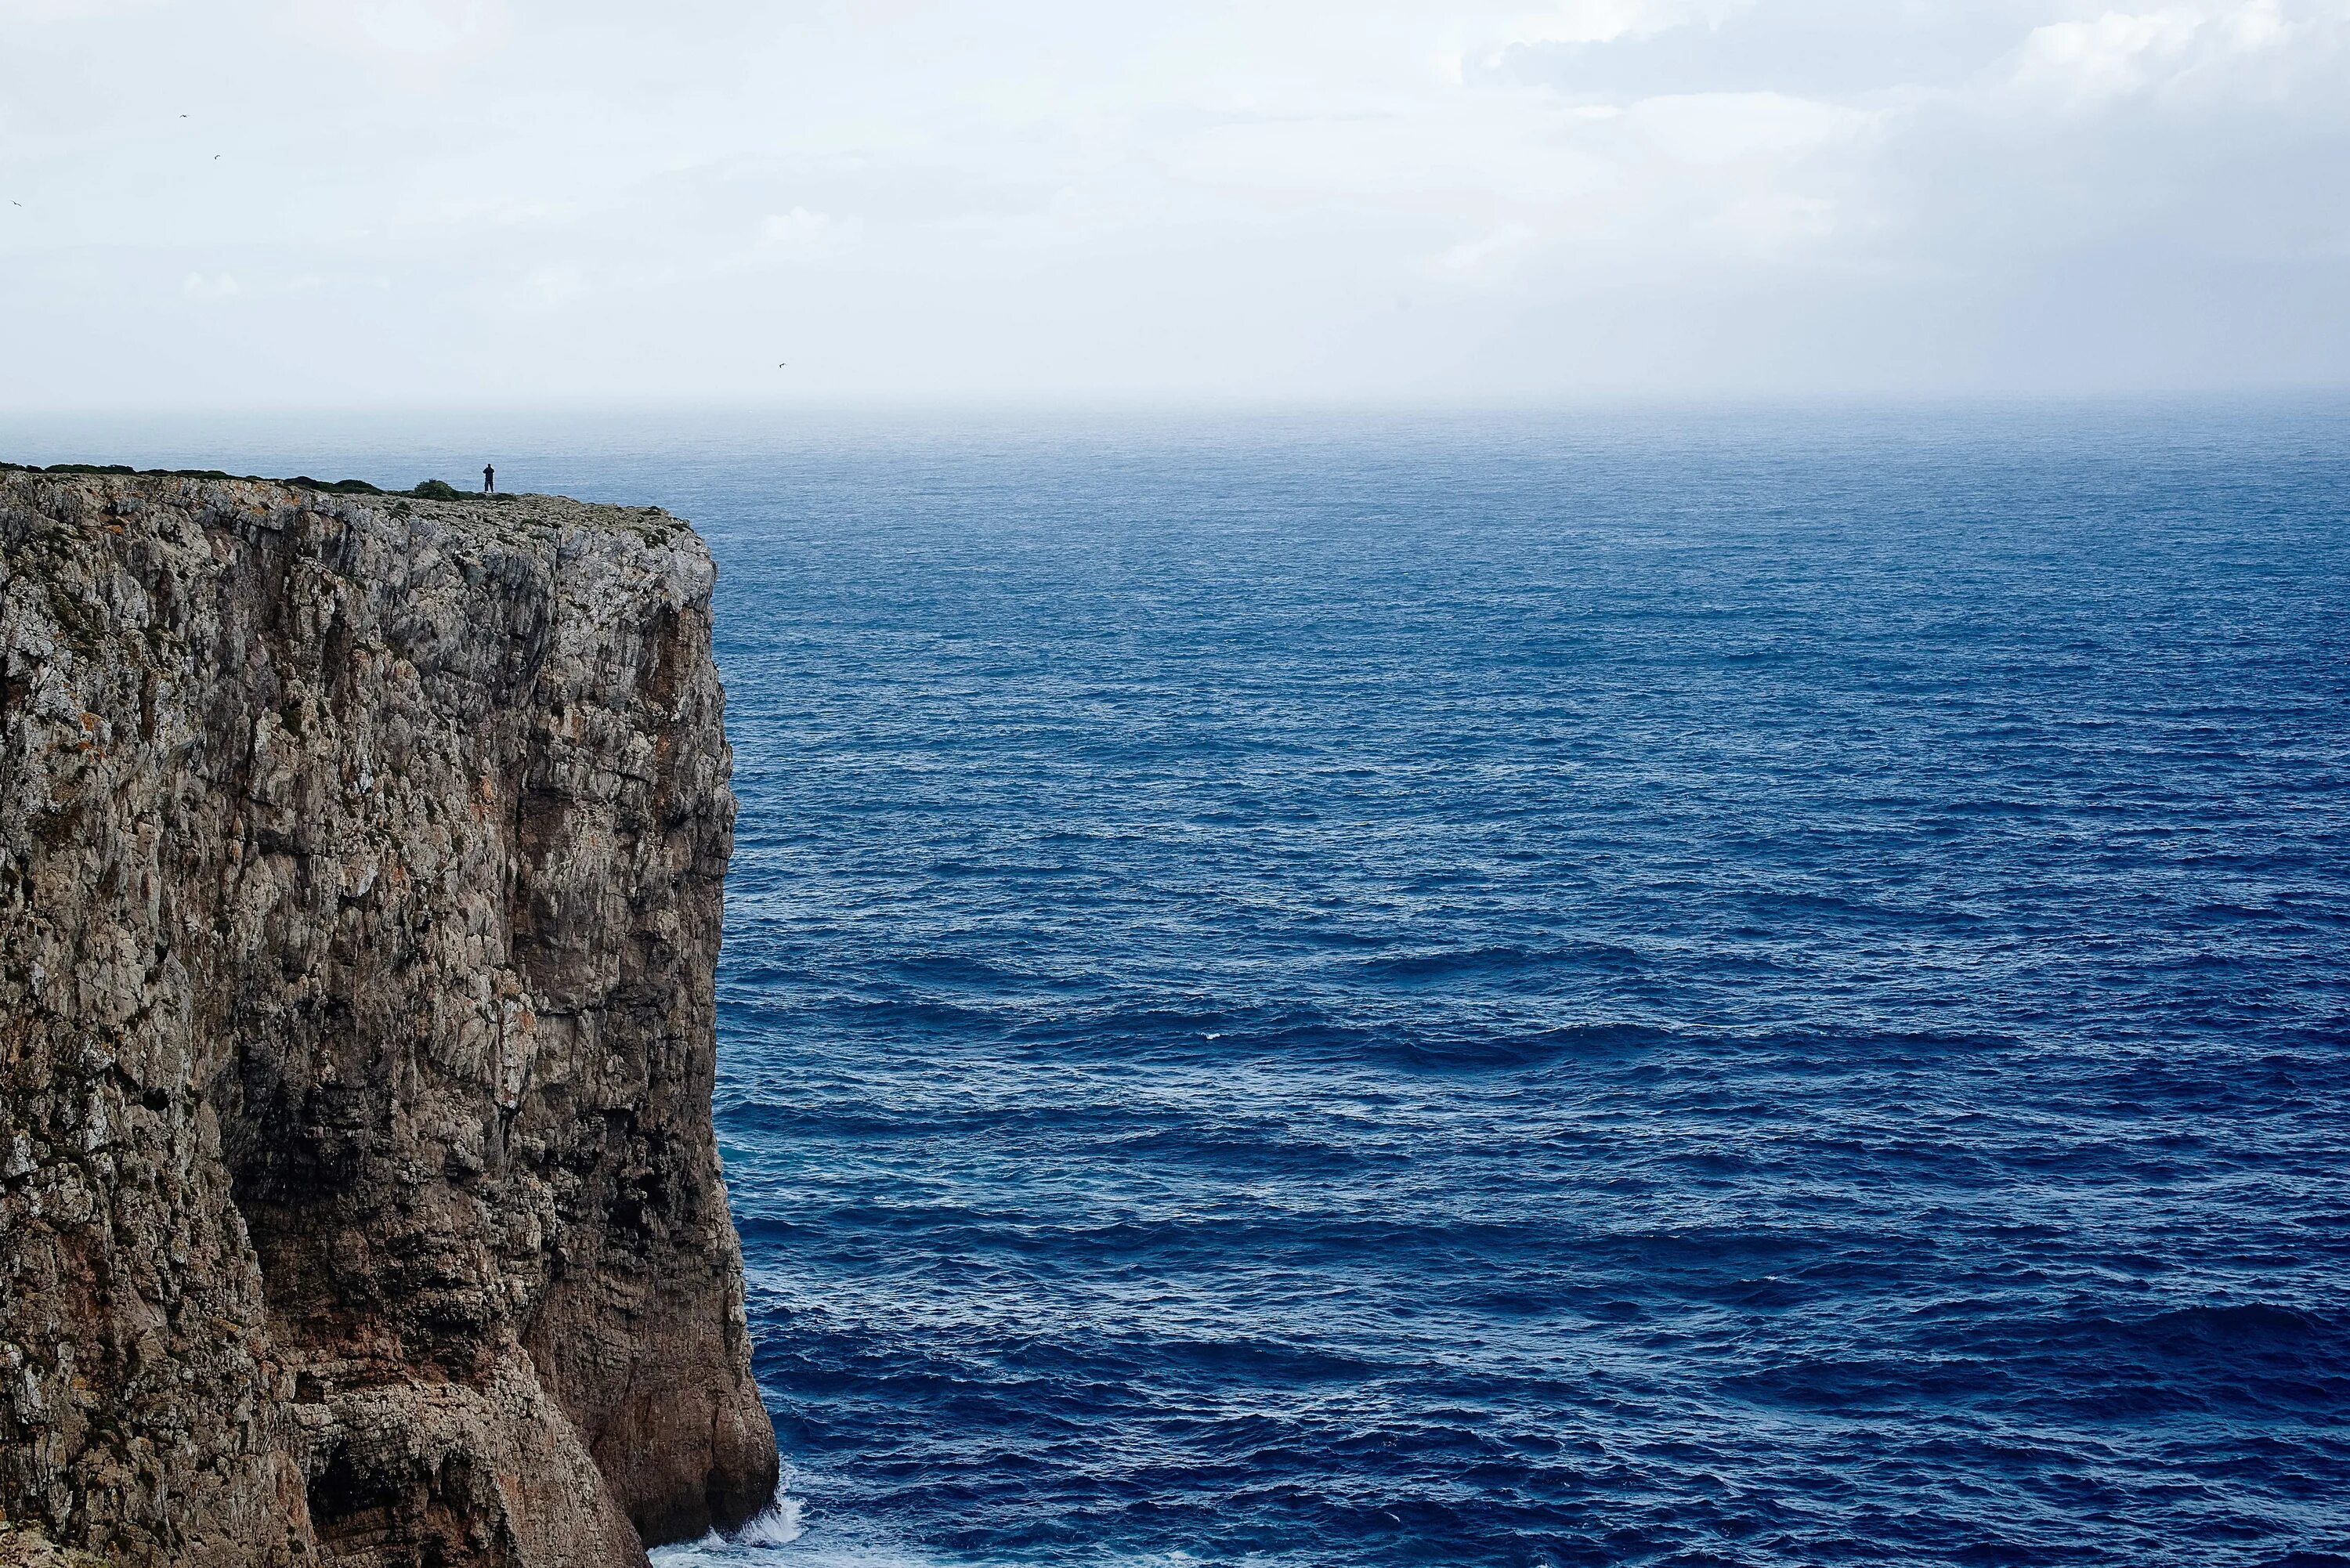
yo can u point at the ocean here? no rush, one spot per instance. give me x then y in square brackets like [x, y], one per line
[1701, 987]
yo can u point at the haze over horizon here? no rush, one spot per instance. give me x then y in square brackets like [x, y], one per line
[423, 202]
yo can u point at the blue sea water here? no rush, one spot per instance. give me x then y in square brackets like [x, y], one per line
[1668, 989]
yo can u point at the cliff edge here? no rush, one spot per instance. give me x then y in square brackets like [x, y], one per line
[360, 872]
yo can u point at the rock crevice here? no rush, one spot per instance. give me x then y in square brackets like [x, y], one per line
[360, 874]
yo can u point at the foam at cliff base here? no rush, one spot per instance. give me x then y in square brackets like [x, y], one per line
[778, 1535]
[777, 1525]
[814, 1552]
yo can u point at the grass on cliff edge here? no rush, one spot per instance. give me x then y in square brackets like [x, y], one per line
[425, 490]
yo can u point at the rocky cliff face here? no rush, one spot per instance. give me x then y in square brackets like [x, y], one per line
[360, 869]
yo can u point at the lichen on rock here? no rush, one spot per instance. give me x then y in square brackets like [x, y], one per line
[360, 874]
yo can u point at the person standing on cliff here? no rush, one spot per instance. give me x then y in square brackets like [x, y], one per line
[489, 480]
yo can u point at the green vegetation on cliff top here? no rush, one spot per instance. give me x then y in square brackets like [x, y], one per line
[425, 490]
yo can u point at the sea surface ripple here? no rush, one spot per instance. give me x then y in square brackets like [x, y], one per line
[1700, 995]
[1681, 989]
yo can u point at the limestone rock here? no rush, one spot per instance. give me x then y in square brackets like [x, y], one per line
[360, 870]
[30, 1548]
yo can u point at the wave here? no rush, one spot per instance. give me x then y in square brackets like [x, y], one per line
[776, 1526]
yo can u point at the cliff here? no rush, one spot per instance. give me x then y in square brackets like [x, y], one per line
[360, 870]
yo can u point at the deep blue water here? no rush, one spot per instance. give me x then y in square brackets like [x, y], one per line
[1680, 989]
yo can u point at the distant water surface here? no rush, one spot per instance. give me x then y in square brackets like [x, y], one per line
[1723, 989]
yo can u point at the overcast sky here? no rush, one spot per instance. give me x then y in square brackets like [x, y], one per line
[217, 203]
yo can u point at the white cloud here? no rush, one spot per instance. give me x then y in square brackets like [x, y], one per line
[434, 30]
[557, 286]
[1606, 21]
[1472, 258]
[2090, 59]
[1045, 194]
[1717, 129]
[800, 235]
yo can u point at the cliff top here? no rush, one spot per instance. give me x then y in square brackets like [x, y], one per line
[506, 515]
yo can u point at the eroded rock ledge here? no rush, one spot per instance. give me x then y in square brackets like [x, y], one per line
[361, 868]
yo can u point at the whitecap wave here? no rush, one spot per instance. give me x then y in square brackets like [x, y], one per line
[776, 1525]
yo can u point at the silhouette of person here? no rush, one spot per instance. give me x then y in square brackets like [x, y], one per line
[489, 480]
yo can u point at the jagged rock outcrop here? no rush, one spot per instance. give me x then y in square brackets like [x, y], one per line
[361, 868]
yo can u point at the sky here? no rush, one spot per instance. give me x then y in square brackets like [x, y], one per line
[458, 202]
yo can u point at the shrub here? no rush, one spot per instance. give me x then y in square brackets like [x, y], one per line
[334, 486]
[436, 490]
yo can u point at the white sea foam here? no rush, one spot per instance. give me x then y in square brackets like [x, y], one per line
[779, 1537]
[777, 1525]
